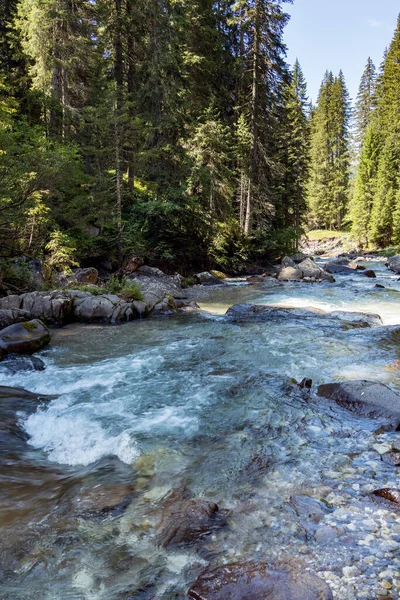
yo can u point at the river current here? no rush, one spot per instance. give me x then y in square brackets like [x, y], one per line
[200, 403]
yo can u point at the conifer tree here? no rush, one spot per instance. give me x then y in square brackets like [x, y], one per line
[328, 191]
[366, 101]
[295, 152]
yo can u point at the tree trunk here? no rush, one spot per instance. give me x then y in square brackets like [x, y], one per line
[119, 81]
[130, 149]
[254, 123]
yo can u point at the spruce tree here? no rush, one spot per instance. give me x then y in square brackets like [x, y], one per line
[328, 191]
[295, 152]
[366, 102]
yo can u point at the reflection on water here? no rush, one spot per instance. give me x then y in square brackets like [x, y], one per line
[200, 403]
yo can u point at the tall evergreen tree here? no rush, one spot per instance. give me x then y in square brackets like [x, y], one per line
[328, 191]
[366, 101]
[295, 152]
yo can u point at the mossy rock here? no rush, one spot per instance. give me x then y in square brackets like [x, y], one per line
[24, 338]
[218, 274]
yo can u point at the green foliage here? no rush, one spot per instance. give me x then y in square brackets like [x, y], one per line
[15, 273]
[124, 287]
[60, 255]
[328, 189]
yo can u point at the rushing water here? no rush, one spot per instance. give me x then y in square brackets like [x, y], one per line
[201, 403]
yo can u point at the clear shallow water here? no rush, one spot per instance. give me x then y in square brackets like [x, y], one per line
[200, 402]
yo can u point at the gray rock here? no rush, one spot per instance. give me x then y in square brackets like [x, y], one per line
[10, 302]
[24, 338]
[52, 308]
[258, 581]
[393, 264]
[312, 270]
[290, 274]
[366, 399]
[360, 320]
[261, 312]
[288, 262]
[16, 363]
[299, 257]
[207, 279]
[13, 315]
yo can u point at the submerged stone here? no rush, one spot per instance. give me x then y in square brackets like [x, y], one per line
[391, 495]
[366, 399]
[258, 581]
[187, 520]
[15, 363]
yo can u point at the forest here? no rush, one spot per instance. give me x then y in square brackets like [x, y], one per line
[177, 131]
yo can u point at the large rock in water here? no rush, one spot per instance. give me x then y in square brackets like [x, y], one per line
[311, 270]
[258, 581]
[394, 264]
[242, 313]
[17, 363]
[290, 274]
[24, 338]
[366, 399]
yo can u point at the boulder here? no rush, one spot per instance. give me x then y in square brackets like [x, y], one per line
[100, 309]
[358, 320]
[155, 286]
[290, 274]
[255, 279]
[186, 520]
[52, 308]
[332, 267]
[262, 312]
[24, 338]
[13, 315]
[311, 270]
[394, 264]
[86, 276]
[258, 581]
[299, 257]
[16, 363]
[369, 273]
[207, 278]
[366, 399]
[288, 262]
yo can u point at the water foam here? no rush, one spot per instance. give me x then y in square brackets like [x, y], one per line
[76, 439]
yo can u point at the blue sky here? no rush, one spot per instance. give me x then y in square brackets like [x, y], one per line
[339, 34]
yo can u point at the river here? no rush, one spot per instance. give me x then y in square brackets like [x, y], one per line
[199, 403]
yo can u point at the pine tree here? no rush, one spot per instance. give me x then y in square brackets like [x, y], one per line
[262, 71]
[365, 186]
[295, 152]
[384, 218]
[366, 102]
[328, 191]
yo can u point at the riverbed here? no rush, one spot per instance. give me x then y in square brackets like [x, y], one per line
[199, 403]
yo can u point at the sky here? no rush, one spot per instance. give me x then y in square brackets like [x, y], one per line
[339, 34]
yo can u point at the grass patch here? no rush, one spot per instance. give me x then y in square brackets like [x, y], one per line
[389, 252]
[325, 234]
[131, 291]
[83, 287]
